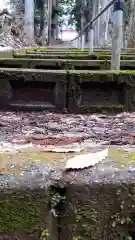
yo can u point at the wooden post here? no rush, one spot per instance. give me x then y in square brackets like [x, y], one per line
[117, 35]
[103, 22]
[83, 35]
[78, 43]
[91, 35]
[82, 42]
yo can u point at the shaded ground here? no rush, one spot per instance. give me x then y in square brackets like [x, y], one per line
[54, 129]
[13, 236]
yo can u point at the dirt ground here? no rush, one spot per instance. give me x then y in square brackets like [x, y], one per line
[14, 236]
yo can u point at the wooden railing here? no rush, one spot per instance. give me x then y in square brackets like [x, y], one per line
[117, 35]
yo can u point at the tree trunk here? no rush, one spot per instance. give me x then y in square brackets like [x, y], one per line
[97, 24]
[104, 23]
[42, 18]
[54, 18]
[131, 32]
[29, 19]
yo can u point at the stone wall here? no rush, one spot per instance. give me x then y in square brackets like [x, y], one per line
[77, 91]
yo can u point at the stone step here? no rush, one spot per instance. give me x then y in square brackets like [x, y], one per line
[31, 105]
[78, 91]
[63, 64]
[72, 56]
[43, 49]
[44, 87]
[83, 52]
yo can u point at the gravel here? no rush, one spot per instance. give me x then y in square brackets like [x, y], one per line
[54, 129]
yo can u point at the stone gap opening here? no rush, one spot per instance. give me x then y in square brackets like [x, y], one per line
[6, 65]
[33, 91]
[127, 67]
[60, 208]
[95, 93]
[54, 67]
[87, 67]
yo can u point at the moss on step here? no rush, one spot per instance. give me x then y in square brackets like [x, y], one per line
[117, 155]
[103, 210]
[119, 77]
[35, 155]
[71, 56]
[84, 53]
[24, 212]
[121, 158]
[28, 211]
[61, 63]
[6, 54]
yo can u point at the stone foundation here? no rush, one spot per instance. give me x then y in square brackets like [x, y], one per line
[77, 91]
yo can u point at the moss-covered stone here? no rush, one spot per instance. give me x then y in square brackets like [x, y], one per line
[105, 76]
[101, 201]
[63, 64]
[77, 53]
[72, 56]
[110, 219]
[24, 211]
[97, 206]
[120, 85]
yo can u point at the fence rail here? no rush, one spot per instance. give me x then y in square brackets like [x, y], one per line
[89, 24]
[117, 35]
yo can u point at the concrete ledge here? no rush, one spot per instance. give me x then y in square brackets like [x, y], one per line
[40, 198]
[37, 85]
[72, 56]
[55, 64]
[101, 91]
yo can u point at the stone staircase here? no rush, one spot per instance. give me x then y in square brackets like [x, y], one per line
[67, 80]
[41, 200]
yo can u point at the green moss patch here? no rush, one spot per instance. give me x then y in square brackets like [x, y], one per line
[24, 212]
[37, 156]
[119, 77]
[121, 158]
[71, 56]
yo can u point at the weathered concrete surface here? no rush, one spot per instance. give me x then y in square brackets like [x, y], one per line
[25, 82]
[92, 200]
[88, 91]
[61, 90]
[63, 64]
[72, 56]
[102, 207]
[71, 52]
[12, 63]
[5, 92]
[42, 49]
[36, 192]
[92, 197]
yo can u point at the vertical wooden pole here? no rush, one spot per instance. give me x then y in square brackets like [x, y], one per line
[79, 42]
[117, 35]
[82, 37]
[91, 42]
[98, 24]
